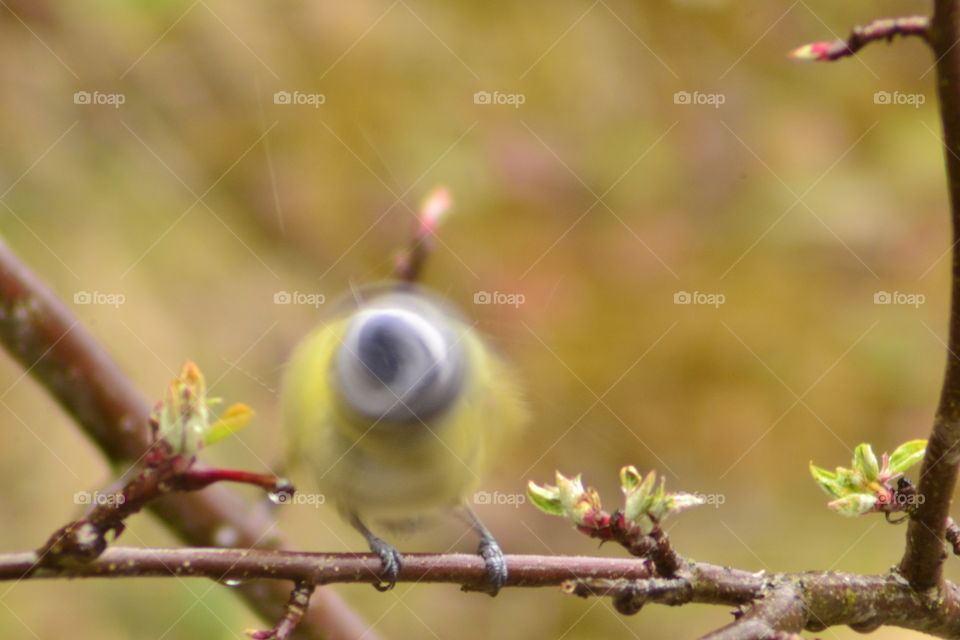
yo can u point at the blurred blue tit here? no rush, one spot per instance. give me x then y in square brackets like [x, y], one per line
[396, 406]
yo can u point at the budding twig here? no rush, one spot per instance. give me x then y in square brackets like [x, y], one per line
[861, 36]
[654, 545]
[164, 472]
[410, 264]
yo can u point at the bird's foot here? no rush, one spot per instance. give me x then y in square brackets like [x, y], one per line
[389, 563]
[492, 556]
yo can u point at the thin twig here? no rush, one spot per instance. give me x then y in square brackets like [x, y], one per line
[410, 264]
[878, 30]
[83, 540]
[296, 607]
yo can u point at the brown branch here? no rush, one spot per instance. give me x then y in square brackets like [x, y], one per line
[878, 30]
[922, 563]
[240, 565]
[780, 605]
[784, 603]
[47, 339]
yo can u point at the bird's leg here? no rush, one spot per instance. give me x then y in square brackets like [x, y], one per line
[389, 556]
[490, 551]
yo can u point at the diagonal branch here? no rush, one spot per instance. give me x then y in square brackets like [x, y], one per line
[922, 563]
[47, 339]
[781, 613]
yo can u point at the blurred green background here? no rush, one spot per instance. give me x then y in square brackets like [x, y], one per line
[598, 199]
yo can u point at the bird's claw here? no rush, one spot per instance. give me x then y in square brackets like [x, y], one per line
[492, 556]
[389, 564]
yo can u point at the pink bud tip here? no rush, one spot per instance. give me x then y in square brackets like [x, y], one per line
[434, 207]
[813, 52]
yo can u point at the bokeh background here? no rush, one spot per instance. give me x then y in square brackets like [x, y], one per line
[796, 192]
